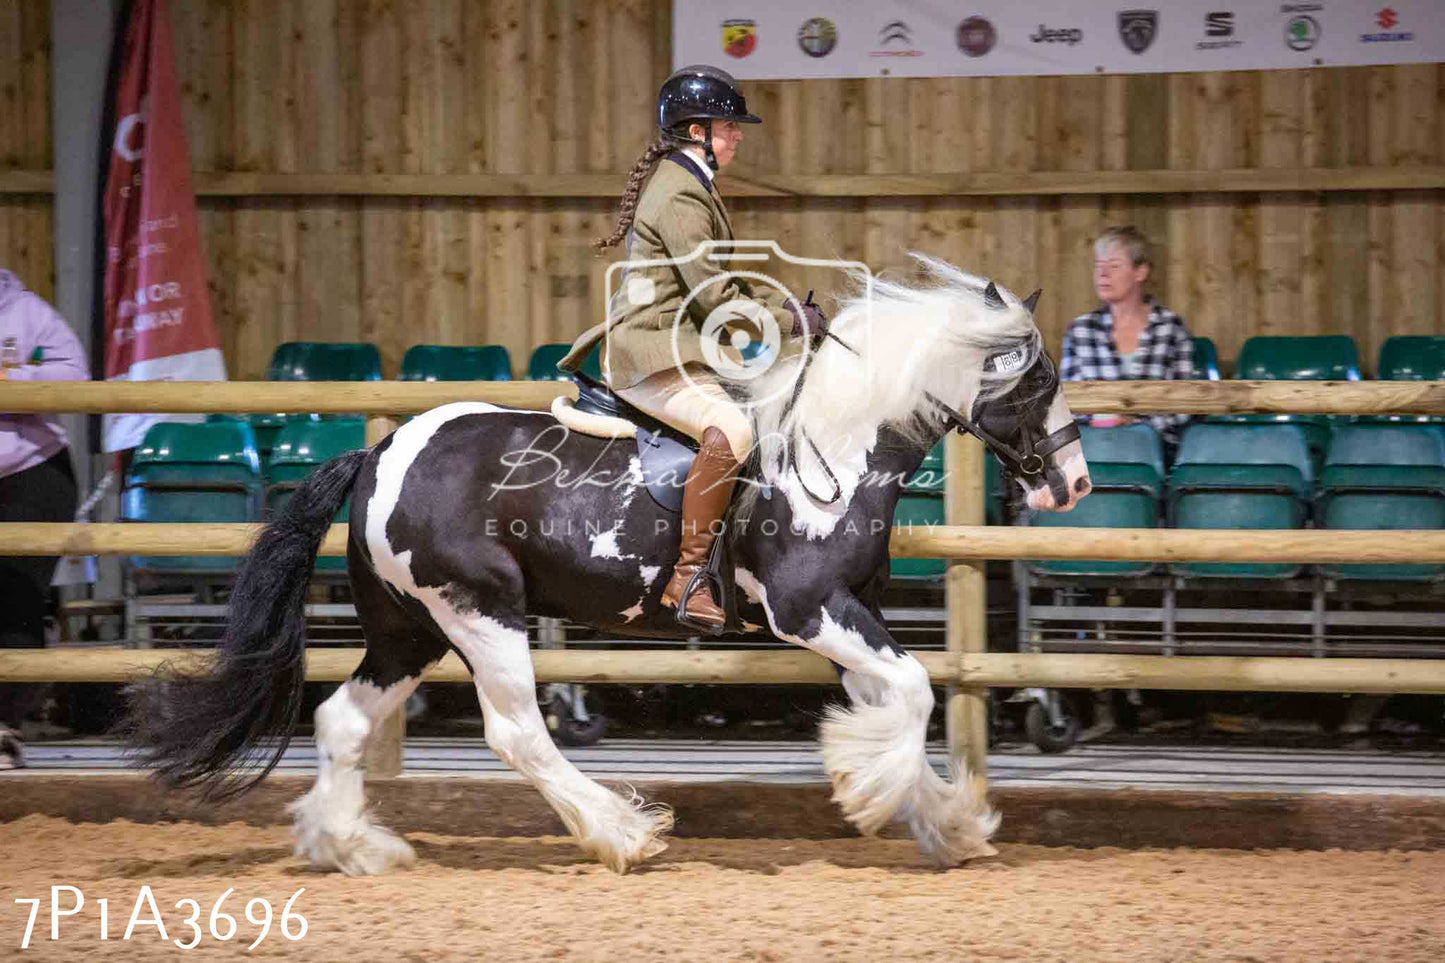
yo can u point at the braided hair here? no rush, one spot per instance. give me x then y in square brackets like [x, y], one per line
[667, 141]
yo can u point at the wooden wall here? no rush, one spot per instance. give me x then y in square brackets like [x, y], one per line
[456, 87]
[27, 222]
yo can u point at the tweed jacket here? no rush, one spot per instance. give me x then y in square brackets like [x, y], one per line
[679, 210]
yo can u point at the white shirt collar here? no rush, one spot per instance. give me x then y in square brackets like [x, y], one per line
[695, 155]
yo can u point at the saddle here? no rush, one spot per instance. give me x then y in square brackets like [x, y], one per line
[666, 456]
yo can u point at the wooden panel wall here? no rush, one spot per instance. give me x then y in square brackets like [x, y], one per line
[566, 86]
[440, 87]
[27, 222]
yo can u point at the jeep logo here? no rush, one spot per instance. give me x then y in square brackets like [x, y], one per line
[1068, 35]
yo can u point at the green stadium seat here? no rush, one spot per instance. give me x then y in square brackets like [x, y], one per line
[932, 476]
[1316, 358]
[1410, 358]
[922, 504]
[265, 429]
[1206, 360]
[543, 364]
[1126, 469]
[1331, 357]
[1240, 476]
[1123, 496]
[205, 472]
[300, 450]
[1382, 477]
[313, 361]
[918, 510]
[303, 447]
[435, 362]
[1136, 444]
[323, 361]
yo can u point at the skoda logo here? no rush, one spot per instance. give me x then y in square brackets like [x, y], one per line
[1302, 32]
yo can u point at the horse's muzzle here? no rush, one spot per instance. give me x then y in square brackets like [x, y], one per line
[1075, 485]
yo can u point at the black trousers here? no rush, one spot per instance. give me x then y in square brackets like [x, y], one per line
[43, 493]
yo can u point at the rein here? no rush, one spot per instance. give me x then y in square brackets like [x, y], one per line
[1029, 461]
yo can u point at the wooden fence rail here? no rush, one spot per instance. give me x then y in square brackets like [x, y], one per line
[751, 667]
[411, 397]
[960, 542]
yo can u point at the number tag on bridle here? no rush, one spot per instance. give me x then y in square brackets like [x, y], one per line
[1008, 362]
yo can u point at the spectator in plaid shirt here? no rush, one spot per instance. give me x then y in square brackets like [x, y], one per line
[1129, 336]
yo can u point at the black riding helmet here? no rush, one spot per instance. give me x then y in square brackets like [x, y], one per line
[705, 94]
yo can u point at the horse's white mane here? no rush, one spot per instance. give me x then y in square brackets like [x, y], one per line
[912, 341]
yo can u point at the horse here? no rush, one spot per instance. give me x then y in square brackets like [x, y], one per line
[471, 515]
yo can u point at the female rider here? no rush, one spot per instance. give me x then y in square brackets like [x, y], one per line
[700, 110]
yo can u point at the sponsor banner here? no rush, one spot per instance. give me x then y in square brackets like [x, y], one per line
[157, 308]
[801, 39]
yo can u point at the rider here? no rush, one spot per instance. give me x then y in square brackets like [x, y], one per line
[700, 110]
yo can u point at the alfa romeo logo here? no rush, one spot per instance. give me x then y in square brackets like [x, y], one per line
[818, 36]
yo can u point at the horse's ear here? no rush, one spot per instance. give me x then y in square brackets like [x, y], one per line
[991, 297]
[1032, 301]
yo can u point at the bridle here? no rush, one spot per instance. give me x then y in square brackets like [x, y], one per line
[1028, 462]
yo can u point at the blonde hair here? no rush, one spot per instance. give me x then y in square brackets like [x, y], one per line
[1130, 238]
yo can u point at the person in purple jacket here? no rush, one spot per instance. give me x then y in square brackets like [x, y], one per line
[37, 480]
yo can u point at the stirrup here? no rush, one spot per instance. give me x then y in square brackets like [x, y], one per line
[704, 573]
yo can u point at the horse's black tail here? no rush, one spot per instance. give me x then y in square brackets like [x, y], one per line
[210, 729]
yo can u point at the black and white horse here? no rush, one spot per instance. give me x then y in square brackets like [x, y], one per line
[471, 515]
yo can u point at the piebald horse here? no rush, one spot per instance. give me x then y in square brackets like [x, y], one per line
[471, 515]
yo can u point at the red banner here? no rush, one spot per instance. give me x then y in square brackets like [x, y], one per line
[158, 322]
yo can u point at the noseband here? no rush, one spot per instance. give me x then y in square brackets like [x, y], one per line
[1029, 459]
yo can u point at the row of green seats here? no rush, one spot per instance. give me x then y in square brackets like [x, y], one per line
[323, 361]
[921, 506]
[211, 472]
[361, 361]
[1333, 358]
[1264, 358]
[1329, 357]
[1260, 476]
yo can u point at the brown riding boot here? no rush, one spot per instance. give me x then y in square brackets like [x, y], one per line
[705, 498]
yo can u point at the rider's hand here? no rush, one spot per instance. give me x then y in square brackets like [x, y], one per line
[808, 320]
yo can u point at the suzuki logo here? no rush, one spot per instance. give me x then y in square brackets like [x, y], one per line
[1386, 18]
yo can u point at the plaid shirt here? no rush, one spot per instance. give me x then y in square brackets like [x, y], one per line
[1166, 353]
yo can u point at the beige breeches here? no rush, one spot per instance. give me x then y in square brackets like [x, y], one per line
[692, 407]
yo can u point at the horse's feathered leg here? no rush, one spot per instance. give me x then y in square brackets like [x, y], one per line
[873, 751]
[333, 829]
[621, 831]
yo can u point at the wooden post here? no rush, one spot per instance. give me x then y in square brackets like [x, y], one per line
[966, 603]
[383, 749]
